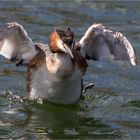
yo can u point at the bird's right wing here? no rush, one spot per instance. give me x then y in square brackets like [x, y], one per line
[99, 42]
[15, 44]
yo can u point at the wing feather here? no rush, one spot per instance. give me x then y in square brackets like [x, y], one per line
[100, 41]
[15, 44]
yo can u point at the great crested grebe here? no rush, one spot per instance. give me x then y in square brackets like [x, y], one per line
[55, 71]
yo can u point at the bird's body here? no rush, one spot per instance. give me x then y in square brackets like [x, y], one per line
[55, 78]
[55, 71]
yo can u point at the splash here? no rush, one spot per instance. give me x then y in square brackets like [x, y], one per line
[40, 101]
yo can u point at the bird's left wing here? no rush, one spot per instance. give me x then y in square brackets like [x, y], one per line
[15, 44]
[99, 42]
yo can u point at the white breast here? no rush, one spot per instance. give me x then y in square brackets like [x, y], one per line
[50, 86]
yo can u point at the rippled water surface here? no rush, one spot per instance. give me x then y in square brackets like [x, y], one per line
[111, 110]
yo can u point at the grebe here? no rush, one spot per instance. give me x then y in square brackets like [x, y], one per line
[55, 71]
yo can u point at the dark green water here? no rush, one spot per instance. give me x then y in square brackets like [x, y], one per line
[111, 110]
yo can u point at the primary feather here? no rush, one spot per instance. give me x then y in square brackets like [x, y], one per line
[100, 42]
[15, 44]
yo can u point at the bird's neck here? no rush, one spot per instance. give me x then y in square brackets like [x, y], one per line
[61, 65]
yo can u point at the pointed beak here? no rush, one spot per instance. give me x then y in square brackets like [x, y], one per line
[67, 50]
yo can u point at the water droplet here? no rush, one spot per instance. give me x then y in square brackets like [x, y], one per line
[40, 101]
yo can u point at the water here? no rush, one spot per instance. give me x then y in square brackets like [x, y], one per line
[111, 110]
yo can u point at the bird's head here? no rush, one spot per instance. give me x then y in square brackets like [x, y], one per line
[61, 41]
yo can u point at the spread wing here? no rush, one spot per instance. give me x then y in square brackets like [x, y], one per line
[15, 44]
[99, 42]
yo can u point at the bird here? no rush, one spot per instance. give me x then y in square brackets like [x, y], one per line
[55, 70]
